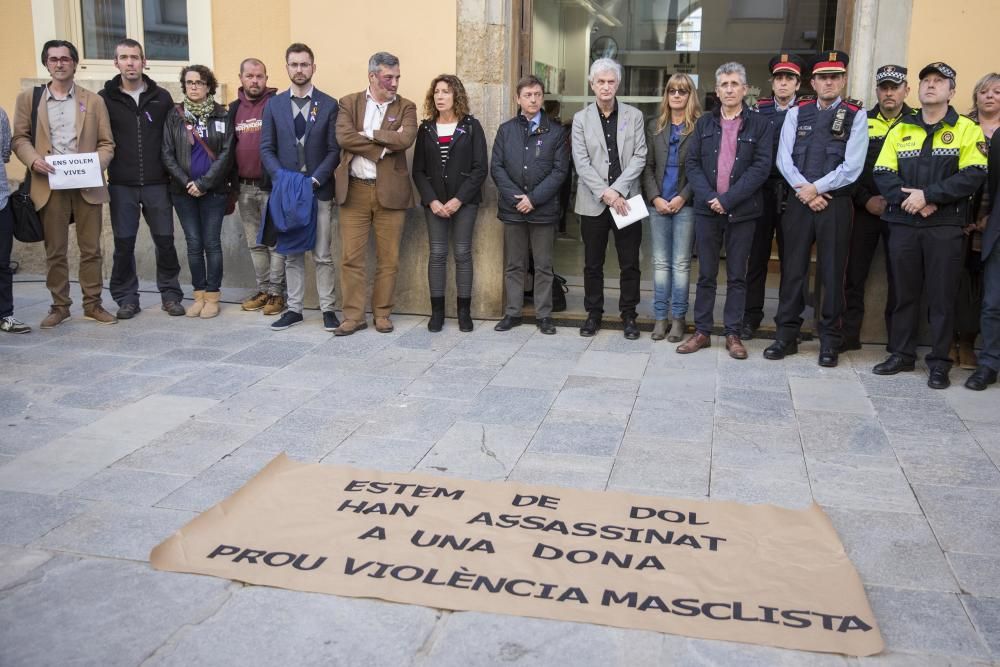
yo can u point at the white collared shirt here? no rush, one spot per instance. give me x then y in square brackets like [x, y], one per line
[362, 167]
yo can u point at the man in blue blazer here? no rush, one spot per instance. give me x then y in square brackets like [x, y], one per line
[299, 135]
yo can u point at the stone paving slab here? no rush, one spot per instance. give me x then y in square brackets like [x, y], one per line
[112, 437]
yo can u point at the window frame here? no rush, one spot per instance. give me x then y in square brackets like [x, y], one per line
[48, 18]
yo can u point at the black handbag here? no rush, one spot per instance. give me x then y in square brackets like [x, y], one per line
[27, 224]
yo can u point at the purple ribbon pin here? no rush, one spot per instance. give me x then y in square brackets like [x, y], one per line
[148, 117]
[539, 143]
[391, 119]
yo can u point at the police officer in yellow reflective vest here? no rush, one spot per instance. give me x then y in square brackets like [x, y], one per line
[929, 166]
[891, 89]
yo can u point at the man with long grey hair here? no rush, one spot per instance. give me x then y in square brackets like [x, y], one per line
[609, 151]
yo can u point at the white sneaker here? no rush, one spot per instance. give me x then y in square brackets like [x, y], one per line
[11, 325]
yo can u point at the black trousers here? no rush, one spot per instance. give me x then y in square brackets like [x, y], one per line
[154, 202]
[6, 275]
[865, 234]
[710, 232]
[594, 230]
[766, 227]
[925, 258]
[830, 229]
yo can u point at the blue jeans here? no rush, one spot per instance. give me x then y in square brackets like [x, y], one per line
[990, 322]
[201, 219]
[673, 239]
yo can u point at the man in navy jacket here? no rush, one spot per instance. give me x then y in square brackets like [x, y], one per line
[728, 161]
[299, 134]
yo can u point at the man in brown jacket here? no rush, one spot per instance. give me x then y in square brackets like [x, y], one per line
[70, 120]
[374, 129]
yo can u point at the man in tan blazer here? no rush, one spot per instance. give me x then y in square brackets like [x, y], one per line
[374, 129]
[70, 120]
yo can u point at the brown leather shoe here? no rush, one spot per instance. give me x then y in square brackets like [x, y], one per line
[694, 343]
[256, 302]
[735, 347]
[275, 305]
[99, 315]
[55, 317]
[347, 327]
[383, 324]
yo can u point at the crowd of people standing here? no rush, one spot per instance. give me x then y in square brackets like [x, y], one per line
[817, 172]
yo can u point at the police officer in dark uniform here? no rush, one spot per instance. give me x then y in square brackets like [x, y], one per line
[786, 72]
[932, 162]
[821, 154]
[891, 89]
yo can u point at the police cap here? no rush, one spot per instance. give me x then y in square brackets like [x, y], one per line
[890, 74]
[788, 63]
[939, 67]
[830, 62]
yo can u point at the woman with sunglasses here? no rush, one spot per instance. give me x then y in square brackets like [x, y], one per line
[671, 219]
[198, 153]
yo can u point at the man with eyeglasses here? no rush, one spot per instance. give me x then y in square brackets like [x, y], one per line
[786, 72]
[138, 181]
[70, 120]
[821, 154]
[298, 135]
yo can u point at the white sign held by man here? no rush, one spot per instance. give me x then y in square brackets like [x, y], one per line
[74, 171]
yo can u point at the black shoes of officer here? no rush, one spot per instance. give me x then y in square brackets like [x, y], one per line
[894, 364]
[982, 378]
[939, 378]
[780, 349]
[828, 357]
[748, 331]
[591, 326]
[631, 328]
[849, 344]
[546, 326]
[507, 323]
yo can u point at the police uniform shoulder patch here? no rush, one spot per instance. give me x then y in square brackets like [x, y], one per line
[983, 148]
[947, 137]
[805, 100]
[765, 102]
[855, 105]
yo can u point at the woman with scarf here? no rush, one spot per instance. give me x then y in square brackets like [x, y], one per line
[198, 153]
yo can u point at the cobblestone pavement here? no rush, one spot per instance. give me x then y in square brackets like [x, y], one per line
[115, 436]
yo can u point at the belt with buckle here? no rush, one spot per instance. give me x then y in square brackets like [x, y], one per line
[366, 181]
[256, 182]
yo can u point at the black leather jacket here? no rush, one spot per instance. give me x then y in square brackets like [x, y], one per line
[177, 151]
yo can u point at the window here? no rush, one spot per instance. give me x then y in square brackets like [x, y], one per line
[162, 23]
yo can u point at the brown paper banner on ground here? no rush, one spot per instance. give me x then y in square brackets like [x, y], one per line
[717, 570]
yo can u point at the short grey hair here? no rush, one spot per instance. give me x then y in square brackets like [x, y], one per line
[605, 65]
[382, 59]
[731, 68]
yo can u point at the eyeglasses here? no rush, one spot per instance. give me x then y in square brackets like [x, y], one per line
[678, 91]
[61, 60]
[195, 84]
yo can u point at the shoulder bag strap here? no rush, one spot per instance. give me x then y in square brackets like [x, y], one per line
[194, 134]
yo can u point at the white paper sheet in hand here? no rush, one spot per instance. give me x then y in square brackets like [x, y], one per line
[637, 211]
[73, 171]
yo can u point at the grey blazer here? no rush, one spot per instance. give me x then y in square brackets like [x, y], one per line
[656, 163]
[590, 156]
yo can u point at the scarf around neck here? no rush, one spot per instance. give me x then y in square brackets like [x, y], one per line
[199, 110]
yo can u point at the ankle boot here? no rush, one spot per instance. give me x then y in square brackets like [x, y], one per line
[967, 351]
[659, 330]
[211, 308]
[199, 302]
[465, 314]
[677, 329]
[437, 314]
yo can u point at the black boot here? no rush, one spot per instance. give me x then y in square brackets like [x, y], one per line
[437, 314]
[464, 314]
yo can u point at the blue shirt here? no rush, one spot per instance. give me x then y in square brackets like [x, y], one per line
[534, 121]
[672, 170]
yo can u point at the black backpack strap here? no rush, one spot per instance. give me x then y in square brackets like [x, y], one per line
[36, 97]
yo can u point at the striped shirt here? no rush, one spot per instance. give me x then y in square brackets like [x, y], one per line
[445, 132]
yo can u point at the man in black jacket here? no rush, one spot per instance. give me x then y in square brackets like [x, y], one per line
[728, 161]
[530, 162]
[138, 181]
